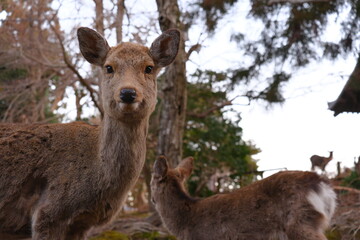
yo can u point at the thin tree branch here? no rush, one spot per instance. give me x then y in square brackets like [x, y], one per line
[47, 64]
[208, 112]
[193, 48]
[341, 188]
[73, 69]
[7, 112]
[211, 110]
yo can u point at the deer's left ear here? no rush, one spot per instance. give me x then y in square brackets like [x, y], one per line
[93, 46]
[160, 167]
[165, 48]
[186, 166]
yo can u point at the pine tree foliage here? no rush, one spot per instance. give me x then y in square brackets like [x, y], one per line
[292, 37]
[221, 155]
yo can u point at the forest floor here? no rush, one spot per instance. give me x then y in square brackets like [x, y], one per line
[345, 224]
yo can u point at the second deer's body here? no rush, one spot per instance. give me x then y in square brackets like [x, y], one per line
[285, 206]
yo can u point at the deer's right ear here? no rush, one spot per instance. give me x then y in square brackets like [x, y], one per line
[186, 166]
[165, 48]
[160, 167]
[93, 46]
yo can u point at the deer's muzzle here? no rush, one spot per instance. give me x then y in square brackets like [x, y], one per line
[128, 95]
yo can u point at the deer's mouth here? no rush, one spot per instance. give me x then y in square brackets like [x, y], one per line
[129, 107]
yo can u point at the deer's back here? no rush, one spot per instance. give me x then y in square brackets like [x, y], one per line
[34, 160]
[38, 146]
[265, 208]
[317, 160]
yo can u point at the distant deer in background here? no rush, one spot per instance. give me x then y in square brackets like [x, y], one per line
[58, 180]
[321, 162]
[288, 205]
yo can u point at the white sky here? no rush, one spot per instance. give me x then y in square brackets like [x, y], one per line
[289, 134]
[303, 126]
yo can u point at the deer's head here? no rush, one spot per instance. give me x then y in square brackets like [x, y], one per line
[129, 82]
[166, 180]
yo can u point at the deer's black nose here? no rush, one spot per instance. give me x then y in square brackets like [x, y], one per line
[127, 95]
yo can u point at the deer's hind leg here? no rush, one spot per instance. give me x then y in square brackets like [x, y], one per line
[78, 233]
[46, 225]
[81, 224]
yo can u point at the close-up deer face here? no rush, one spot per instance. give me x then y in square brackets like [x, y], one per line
[129, 84]
[128, 87]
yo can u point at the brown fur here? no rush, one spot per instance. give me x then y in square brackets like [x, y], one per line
[321, 162]
[274, 208]
[58, 180]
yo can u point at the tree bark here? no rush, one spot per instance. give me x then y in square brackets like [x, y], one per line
[173, 89]
[99, 26]
[120, 6]
[99, 16]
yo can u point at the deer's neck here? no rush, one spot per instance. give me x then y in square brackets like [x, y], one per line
[122, 150]
[176, 208]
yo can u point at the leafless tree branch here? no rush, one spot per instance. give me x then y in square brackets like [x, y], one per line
[212, 109]
[193, 48]
[92, 91]
[47, 64]
[341, 188]
[208, 112]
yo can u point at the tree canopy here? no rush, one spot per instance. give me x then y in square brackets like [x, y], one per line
[215, 140]
[294, 34]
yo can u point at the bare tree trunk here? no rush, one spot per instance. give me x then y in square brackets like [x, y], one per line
[120, 5]
[173, 89]
[99, 16]
[172, 106]
[99, 26]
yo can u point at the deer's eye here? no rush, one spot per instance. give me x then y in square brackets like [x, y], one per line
[109, 69]
[148, 69]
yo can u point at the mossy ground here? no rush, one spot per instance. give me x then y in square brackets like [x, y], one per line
[114, 235]
[111, 235]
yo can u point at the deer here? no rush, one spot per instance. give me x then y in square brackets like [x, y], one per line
[321, 162]
[58, 181]
[288, 205]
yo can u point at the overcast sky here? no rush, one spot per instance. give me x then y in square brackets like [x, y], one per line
[303, 126]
